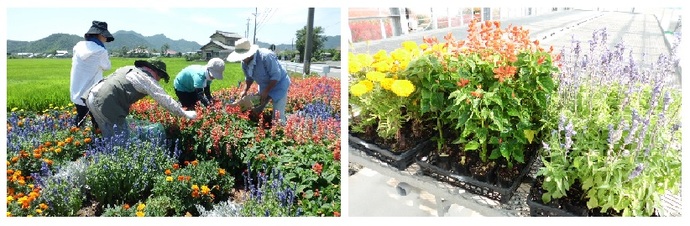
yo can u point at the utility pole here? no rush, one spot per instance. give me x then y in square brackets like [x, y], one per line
[308, 41]
[256, 12]
[246, 33]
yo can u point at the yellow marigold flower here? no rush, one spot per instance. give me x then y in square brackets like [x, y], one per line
[205, 190]
[195, 187]
[168, 179]
[424, 46]
[365, 59]
[9, 199]
[375, 76]
[140, 214]
[402, 88]
[386, 83]
[358, 89]
[380, 55]
[368, 84]
[409, 45]
[9, 214]
[382, 66]
[141, 207]
[43, 206]
[31, 186]
[39, 211]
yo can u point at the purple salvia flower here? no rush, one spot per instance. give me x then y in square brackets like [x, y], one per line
[637, 171]
[569, 132]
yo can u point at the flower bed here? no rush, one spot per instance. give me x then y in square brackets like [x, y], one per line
[220, 164]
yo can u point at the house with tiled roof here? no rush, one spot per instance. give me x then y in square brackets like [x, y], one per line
[221, 45]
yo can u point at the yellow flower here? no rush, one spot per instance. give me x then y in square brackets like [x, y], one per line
[402, 88]
[9, 199]
[140, 214]
[381, 55]
[358, 89]
[368, 84]
[168, 179]
[195, 187]
[39, 211]
[424, 46]
[141, 207]
[382, 66]
[205, 190]
[353, 66]
[386, 83]
[409, 45]
[9, 214]
[375, 76]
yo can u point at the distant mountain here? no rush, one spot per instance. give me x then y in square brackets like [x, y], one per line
[132, 40]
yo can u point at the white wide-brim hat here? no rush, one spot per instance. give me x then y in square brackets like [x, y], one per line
[243, 49]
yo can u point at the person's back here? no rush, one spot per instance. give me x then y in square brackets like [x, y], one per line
[190, 78]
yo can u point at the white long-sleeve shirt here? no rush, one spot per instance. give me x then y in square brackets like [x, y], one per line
[146, 84]
[89, 61]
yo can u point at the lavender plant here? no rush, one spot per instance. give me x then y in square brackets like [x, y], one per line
[268, 194]
[121, 170]
[615, 130]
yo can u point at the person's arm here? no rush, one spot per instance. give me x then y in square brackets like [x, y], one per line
[207, 92]
[145, 84]
[104, 61]
[248, 80]
[199, 86]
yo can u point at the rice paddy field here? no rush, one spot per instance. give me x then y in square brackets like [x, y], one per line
[39, 84]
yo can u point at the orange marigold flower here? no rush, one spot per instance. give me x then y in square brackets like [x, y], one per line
[336, 214]
[476, 93]
[15, 159]
[87, 140]
[541, 60]
[126, 206]
[77, 143]
[167, 172]
[195, 163]
[43, 206]
[186, 163]
[69, 140]
[73, 129]
[176, 166]
[180, 178]
[221, 172]
[195, 194]
[37, 155]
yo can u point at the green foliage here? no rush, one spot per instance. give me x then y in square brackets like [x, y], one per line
[126, 174]
[199, 183]
[500, 118]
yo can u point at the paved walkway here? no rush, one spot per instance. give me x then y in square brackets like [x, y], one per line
[374, 189]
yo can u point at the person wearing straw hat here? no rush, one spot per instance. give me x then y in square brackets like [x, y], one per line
[109, 100]
[193, 83]
[261, 65]
[90, 59]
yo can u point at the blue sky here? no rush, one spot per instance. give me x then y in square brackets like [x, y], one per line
[276, 25]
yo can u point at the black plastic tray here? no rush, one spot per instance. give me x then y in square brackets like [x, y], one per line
[472, 185]
[399, 160]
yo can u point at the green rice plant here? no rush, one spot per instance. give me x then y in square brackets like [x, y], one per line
[35, 84]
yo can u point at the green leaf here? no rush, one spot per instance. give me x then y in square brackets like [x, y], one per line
[587, 183]
[546, 82]
[592, 203]
[529, 134]
[472, 145]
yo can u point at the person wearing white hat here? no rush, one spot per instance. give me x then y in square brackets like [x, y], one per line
[261, 65]
[90, 59]
[193, 83]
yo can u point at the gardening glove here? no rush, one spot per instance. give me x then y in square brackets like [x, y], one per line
[190, 114]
